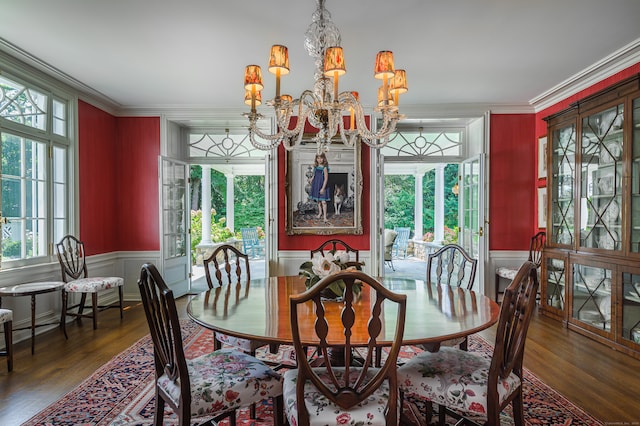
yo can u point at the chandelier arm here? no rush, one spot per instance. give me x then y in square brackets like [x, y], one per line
[260, 145]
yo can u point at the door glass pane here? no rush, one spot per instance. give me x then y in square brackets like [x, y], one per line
[631, 307]
[635, 179]
[555, 283]
[592, 296]
[601, 180]
[563, 150]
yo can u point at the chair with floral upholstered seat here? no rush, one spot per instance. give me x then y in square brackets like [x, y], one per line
[71, 255]
[465, 384]
[213, 385]
[334, 245]
[451, 265]
[225, 267]
[6, 319]
[535, 255]
[346, 393]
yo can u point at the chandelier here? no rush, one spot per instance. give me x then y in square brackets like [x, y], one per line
[324, 107]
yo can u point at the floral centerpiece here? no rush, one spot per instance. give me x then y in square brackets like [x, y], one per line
[322, 266]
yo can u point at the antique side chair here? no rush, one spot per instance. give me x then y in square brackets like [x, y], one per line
[488, 385]
[71, 256]
[200, 387]
[6, 319]
[332, 393]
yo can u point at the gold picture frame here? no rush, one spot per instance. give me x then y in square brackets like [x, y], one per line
[344, 208]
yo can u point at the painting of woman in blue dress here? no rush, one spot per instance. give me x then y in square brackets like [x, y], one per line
[320, 191]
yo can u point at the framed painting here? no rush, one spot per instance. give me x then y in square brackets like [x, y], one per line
[542, 157]
[542, 207]
[324, 192]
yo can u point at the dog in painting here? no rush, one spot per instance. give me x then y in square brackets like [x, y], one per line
[338, 198]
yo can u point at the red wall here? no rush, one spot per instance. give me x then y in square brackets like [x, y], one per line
[138, 197]
[512, 178]
[97, 132]
[118, 188]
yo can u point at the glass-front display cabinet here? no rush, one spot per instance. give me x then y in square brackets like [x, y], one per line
[553, 291]
[561, 184]
[630, 308]
[593, 217]
[591, 297]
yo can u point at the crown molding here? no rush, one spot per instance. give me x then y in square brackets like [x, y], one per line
[20, 58]
[617, 61]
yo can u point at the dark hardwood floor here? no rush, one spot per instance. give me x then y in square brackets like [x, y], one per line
[602, 381]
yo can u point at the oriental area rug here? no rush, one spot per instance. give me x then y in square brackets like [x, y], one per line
[120, 393]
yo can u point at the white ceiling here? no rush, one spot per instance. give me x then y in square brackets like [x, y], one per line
[191, 54]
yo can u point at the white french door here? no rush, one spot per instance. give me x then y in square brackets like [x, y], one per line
[471, 210]
[174, 224]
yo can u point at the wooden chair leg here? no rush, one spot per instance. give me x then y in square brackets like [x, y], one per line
[8, 341]
[83, 300]
[63, 315]
[278, 411]
[518, 409]
[121, 296]
[94, 307]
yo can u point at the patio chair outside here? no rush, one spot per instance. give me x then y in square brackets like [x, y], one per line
[402, 241]
[250, 241]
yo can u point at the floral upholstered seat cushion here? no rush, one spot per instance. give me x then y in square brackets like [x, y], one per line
[224, 380]
[507, 273]
[324, 412]
[452, 377]
[245, 345]
[92, 285]
[6, 315]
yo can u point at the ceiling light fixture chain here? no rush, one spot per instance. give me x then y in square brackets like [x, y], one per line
[324, 107]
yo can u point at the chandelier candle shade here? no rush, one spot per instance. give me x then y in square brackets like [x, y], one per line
[324, 106]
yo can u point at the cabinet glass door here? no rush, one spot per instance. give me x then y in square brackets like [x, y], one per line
[631, 307]
[554, 295]
[592, 296]
[563, 150]
[601, 179]
[635, 180]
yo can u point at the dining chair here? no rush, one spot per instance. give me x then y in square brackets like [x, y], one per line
[337, 394]
[213, 385]
[6, 319]
[251, 241]
[402, 241]
[451, 265]
[465, 384]
[227, 267]
[71, 256]
[536, 245]
[333, 245]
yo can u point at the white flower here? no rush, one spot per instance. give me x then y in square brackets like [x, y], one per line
[324, 266]
[342, 256]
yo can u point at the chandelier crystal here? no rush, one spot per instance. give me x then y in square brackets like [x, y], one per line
[324, 107]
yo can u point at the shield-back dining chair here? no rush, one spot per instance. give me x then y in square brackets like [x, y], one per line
[6, 319]
[451, 265]
[333, 245]
[75, 274]
[329, 394]
[536, 245]
[213, 385]
[466, 384]
[226, 268]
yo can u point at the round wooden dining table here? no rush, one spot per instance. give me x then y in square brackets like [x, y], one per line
[260, 311]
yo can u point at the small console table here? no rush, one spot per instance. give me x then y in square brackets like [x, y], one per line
[31, 289]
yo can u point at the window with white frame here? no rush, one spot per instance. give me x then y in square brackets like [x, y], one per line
[34, 137]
